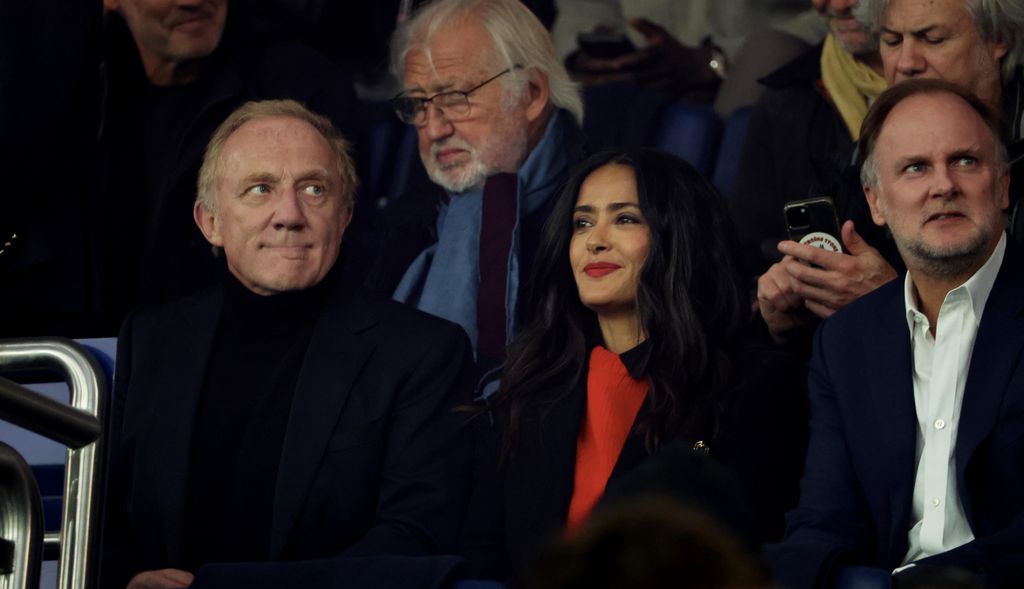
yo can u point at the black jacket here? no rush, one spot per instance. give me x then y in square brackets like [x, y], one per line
[797, 146]
[374, 461]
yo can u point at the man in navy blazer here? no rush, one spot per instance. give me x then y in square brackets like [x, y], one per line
[916, 455]
[283, 416]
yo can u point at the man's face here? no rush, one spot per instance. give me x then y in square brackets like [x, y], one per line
[172, 31]
[940, 189]
[281, 211]
[493, 137]
[938, 39]
[852, 36]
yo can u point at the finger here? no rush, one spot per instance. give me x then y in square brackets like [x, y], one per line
[776, 289]
[811, 254]
[654, 33]
[161, 579]
[803, 274]
[631, 60]
[852, 241]
[830, 297]
[585, 63]
[823, 311]
[175, 577]
[180, 575]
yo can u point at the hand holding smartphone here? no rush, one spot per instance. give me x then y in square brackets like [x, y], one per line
[814, 222]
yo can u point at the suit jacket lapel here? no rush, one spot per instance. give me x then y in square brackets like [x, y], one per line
[995, 357]
[178, 404]
[333, 361]
[889, 365]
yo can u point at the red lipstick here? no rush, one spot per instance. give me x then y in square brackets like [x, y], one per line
[599, 269]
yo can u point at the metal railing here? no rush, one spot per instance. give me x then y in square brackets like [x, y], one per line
[21, 522]
[76, 426]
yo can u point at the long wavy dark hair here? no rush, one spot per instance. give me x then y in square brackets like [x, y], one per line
[691, 303]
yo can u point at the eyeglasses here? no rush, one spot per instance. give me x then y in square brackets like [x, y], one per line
[453, 104]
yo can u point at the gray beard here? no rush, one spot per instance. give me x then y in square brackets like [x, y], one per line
[944, 263]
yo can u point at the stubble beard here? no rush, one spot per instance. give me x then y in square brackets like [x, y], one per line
[945, 262]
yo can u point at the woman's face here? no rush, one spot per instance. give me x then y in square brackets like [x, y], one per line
[610, 240]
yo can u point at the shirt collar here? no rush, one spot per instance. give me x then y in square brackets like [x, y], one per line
[977, 288]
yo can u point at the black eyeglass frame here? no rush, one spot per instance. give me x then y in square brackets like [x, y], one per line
[416, 114]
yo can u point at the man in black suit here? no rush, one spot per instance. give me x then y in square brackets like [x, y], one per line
[282, 416]
[917, 389]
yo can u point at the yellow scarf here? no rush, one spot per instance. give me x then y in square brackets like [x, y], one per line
[851, 84]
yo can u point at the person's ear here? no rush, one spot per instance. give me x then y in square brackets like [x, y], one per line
[208, 223]
[538, 94]
[877, 214]
[997, 50]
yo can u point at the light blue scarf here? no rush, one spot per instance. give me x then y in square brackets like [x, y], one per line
[443, 280]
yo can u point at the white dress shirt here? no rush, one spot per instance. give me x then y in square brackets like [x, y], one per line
[940, 368]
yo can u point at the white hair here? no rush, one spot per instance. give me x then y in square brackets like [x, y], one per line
[997, 21]
[519, 40]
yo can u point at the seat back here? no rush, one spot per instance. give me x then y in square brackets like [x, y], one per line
[729, 153]
[692, 132]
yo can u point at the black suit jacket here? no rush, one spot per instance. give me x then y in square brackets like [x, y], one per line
[374, 459]
[855, 502]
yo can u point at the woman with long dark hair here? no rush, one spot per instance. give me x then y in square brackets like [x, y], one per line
[635, 347]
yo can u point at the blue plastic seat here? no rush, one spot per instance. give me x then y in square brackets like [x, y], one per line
[730, 151]
[692, 132]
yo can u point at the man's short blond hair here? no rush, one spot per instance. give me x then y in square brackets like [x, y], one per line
[206, 192]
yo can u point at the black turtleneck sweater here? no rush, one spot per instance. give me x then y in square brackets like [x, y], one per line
[241, 420]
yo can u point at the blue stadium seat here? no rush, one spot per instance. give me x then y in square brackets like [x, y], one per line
[692, 132]
[730, 151]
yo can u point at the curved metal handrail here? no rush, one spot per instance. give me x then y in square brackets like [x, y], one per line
[21, 518]
[82, 475]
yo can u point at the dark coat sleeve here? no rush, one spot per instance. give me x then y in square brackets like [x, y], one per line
[425, 476]
[765, 442]
[832, 523]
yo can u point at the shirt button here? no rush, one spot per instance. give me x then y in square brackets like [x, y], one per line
[936, 501]
[939, 424]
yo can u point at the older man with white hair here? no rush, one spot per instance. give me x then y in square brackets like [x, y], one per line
[497, 119]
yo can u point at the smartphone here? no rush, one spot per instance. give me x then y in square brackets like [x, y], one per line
[814, 222]
[604, 46]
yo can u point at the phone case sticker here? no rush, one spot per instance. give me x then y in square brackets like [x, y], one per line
[822, 240]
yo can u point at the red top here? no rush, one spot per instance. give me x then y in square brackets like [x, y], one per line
[613, 401]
